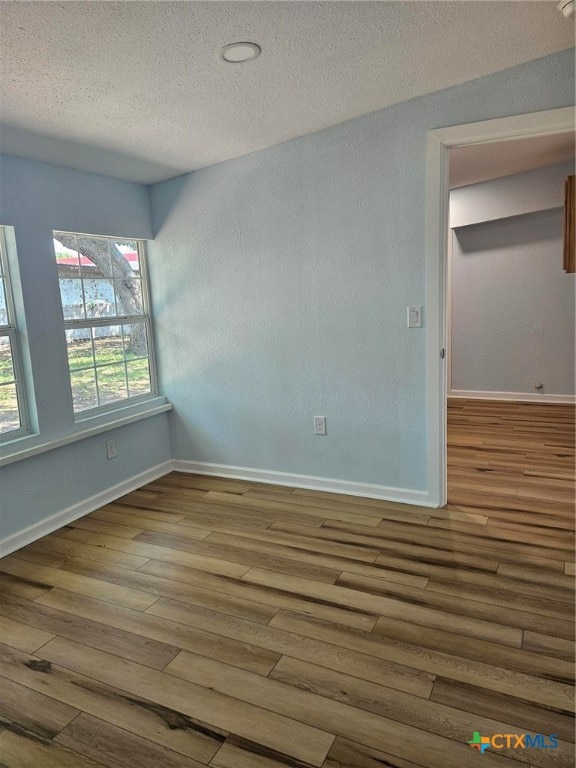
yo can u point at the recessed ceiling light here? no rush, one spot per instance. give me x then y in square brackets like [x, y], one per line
[238, 53]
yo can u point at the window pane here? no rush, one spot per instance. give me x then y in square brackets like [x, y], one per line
[72, 300]
[3, 314]
[84, 389]
[129, 297]
[108, 345]
[67, 258]
[9, 415]
[112, 383]
[12, 395]
[124, 256]
[6, 366]
[99, 298]
[135, 340]
[138, 377]
[79, 344]
[94, 256]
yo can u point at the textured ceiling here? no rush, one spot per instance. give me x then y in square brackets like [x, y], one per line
[142, 84]
[481, 162]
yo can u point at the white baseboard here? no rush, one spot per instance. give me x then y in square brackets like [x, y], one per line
[43, 527]
[59, 519]
[350, 488]
[522, 397]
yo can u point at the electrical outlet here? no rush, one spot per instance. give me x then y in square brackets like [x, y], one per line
[110, 449]
[319, 425]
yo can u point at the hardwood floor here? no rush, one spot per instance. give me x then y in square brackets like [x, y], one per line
[209, 622]
[516, 459]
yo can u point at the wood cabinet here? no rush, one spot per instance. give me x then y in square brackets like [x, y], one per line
[570, 225]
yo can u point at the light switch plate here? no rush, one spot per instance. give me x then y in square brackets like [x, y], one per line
[414, 316]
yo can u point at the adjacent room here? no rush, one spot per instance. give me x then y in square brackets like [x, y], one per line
[510, 329]
[287, 384]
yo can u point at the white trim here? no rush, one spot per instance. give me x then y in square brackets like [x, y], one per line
[546, 123]
[436, 238]
[43, 527]
[520, 397]
[330, 485]
[449, 268]
[28, 446]
[437, 226]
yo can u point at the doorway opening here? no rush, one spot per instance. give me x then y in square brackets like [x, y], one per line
[510, 336]
[497, 139]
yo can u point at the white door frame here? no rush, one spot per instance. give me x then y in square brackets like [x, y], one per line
[437, 229]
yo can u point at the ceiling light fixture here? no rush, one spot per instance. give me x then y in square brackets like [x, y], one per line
[239, 53]
[567, 8]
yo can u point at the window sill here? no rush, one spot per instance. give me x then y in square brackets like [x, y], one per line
[32, 445]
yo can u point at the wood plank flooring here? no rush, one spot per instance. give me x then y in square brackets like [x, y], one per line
[208, 622]
[517, 459]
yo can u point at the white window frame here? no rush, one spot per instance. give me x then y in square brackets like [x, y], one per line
[145, 318]
[10, 329]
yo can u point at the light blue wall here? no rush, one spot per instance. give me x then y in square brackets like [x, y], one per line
[538, 190]
[512, 307]
[36, 198]
[36, 488]
[512, 303]
[280, 286]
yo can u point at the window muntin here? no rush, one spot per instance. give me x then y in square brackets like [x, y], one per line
[105, 304]
[13, 412]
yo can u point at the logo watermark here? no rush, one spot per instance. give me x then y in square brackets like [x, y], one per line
[513, 741]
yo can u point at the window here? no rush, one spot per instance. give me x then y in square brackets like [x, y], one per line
[105, 303]
[13, 415]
